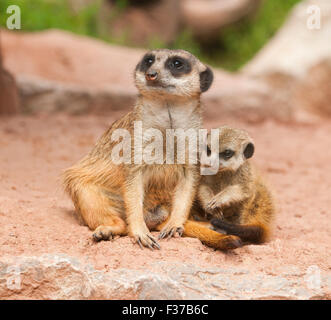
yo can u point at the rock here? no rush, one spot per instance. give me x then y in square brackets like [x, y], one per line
[245, 98]
[206, 18]
[9, 102]
[141, 22]
[295, 48]
[41, 95]
[62, 277]
[313, 93]
[296, 62]
[51, 78]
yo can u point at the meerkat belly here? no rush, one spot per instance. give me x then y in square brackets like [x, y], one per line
[160, 182]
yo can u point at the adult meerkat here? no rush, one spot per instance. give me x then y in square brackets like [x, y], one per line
[118, 199]
[236, 198]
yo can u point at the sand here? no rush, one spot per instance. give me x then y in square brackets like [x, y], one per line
[36, 217]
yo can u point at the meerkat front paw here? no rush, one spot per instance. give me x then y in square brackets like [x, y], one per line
[145, 239]
[214, 203]
[170, 230]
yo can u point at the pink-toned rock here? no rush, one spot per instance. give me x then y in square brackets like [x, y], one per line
[58, 71]
[242, 97]
[56, 276]
[297, 46]
[313, 93]
[205, 18]
[9, 101]
[142, 22]
[296, 62]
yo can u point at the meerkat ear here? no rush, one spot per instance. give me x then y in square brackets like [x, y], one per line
[249, 150]
[206, 79]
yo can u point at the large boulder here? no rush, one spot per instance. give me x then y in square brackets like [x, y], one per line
[63, 277]
[141, 23]
[59, 71]
[313, 93]
[205, 18]
[9, 102]
[296, 62]
[295, 48]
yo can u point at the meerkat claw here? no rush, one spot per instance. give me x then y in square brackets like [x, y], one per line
[147, 241]
[154, 243]
[140, 244]
[212, 204]
[170, 233]
[180, 231]
[102, 233]
[96, 237]
[161, 235]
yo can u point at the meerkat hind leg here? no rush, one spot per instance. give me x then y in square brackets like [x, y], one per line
[112, 227]
[100, 213]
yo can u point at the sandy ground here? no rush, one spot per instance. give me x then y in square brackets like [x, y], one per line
[36, 217]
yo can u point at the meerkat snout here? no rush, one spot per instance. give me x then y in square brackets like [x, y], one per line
[151, 75]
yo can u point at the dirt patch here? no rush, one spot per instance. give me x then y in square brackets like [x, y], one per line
[37, 218]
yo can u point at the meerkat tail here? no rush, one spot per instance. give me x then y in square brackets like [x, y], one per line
[211, 238]
[255, 233]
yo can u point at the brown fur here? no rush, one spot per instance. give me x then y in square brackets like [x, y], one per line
[236, 198]
[119, 199]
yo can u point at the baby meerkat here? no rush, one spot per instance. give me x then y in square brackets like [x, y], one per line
[134, 197]
[236, 198]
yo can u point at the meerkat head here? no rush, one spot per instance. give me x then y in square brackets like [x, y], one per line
[167, 72]
[235, 147]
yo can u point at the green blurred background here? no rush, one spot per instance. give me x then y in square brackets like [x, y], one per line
[235, 45]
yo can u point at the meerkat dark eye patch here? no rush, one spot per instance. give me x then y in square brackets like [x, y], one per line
[226, 154]
[206, 79]
[178, 66]
[249, 150]
[146, 62]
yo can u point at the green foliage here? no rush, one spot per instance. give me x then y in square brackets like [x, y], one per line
[235, 46]
[121, 4]
[186, 41]
[239, 43]
[46, 14]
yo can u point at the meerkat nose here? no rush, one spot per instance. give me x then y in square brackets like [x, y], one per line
[151, 75]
